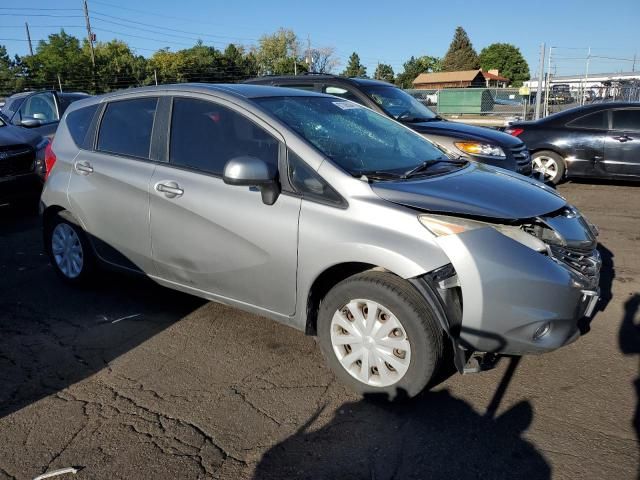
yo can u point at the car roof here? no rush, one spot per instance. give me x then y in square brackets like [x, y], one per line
[315, 77]
[583, 110]
[62, 94]
[247, 91]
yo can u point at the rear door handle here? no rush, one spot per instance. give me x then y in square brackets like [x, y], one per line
[170, 189]
[83, 168]
[623, 138]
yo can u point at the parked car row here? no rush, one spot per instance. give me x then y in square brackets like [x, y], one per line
[28, 121]
[324, 215]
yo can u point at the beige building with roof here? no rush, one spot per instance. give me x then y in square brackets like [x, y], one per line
[460, 79]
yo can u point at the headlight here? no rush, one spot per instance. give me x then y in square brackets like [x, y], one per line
[481, 149]
[443, 225]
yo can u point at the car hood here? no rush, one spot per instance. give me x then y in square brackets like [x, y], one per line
[463, 131]
[476, 190]
[12, 135]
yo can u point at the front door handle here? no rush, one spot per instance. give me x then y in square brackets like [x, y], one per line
[170, 189]
[623, 138]
[83, 168]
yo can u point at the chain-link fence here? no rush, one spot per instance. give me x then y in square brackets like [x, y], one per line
[499, 106]
[483, 106]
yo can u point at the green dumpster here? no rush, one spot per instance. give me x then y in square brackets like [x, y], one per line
[471, 100]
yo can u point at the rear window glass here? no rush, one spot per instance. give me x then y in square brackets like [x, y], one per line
[594, 120]
[79, 121]
[626, 119]
[126, 127]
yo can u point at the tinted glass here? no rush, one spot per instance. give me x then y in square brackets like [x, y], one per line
[306, 181]
[355, 138]
[205, 136]
[399, 104]
[340, 92]
[307, 87]
[593, 120]
[626, 119]
[79, 121]
[126, 127]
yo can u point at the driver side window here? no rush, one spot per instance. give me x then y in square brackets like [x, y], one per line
[41, 106]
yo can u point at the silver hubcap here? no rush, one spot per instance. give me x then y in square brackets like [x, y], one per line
[370, 343]
[67, 250]
[546, 168]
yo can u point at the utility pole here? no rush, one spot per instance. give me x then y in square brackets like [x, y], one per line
[540, 79]
[59, 83]
[633, 67]
[155, 76]
[308, 56]
[26, 25]
[586, 76]
[547, 88]
[89, 33]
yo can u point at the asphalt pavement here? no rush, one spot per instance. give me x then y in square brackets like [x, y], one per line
[126, 379]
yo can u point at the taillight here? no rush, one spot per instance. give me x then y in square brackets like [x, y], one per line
[49, 160]
[514, 131]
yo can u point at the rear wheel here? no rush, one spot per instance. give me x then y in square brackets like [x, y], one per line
[69, 250]
[548, 166]
[380, 336]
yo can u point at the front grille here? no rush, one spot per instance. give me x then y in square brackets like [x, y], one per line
[521, 156]
[584, 263]
[16, 160]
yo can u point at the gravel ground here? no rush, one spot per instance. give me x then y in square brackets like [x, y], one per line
[126, 379]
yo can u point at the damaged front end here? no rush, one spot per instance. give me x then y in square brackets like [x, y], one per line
[514, 287]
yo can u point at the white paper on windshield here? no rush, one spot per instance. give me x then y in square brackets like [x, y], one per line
[346, 105]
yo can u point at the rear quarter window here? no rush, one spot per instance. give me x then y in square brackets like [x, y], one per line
[78, 123]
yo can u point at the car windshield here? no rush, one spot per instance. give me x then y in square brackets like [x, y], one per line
[354, 137]
[399, 104]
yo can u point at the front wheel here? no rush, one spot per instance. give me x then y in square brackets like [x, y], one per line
[379, 335]
[548, 166]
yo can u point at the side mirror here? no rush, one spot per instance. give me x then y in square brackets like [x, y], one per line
[31, 122]
[252, 172]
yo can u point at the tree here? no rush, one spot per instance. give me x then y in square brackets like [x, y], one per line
[354, 67]
[60, 56]
[116, 66]
[508, 60]
[278, 53]
[414, 67]
[322, 59]
[384, 72]
[461, 55]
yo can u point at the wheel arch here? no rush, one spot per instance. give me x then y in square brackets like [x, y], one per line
[324, 282]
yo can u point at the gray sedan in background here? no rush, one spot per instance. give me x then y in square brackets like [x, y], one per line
[326, 216]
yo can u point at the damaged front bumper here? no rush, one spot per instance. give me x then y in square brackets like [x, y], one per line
[515, 300]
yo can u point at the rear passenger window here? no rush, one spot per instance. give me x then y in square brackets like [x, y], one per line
[79, 121]
[626, 119]
[596, 120]
[205, 136]
[126, 127]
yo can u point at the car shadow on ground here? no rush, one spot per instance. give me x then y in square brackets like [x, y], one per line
[53, 335]
[629, 341]
[436, 435]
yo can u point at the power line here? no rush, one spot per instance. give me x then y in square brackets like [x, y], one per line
[39, 15]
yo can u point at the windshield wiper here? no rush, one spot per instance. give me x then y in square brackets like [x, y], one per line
[432, 161]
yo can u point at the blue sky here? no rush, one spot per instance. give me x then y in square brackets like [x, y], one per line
[380, 31]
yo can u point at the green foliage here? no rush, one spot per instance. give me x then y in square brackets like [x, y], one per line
[384, 72]
[414, 67]
[279, 54]
[461, 55]
[116, 65]
[508, 60]
[354, 67]
[61, 55]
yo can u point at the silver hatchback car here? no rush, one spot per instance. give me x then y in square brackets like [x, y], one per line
[323, 215]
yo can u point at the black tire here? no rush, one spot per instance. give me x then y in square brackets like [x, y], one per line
[425, 336]
[88, 257]
[561, 170]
